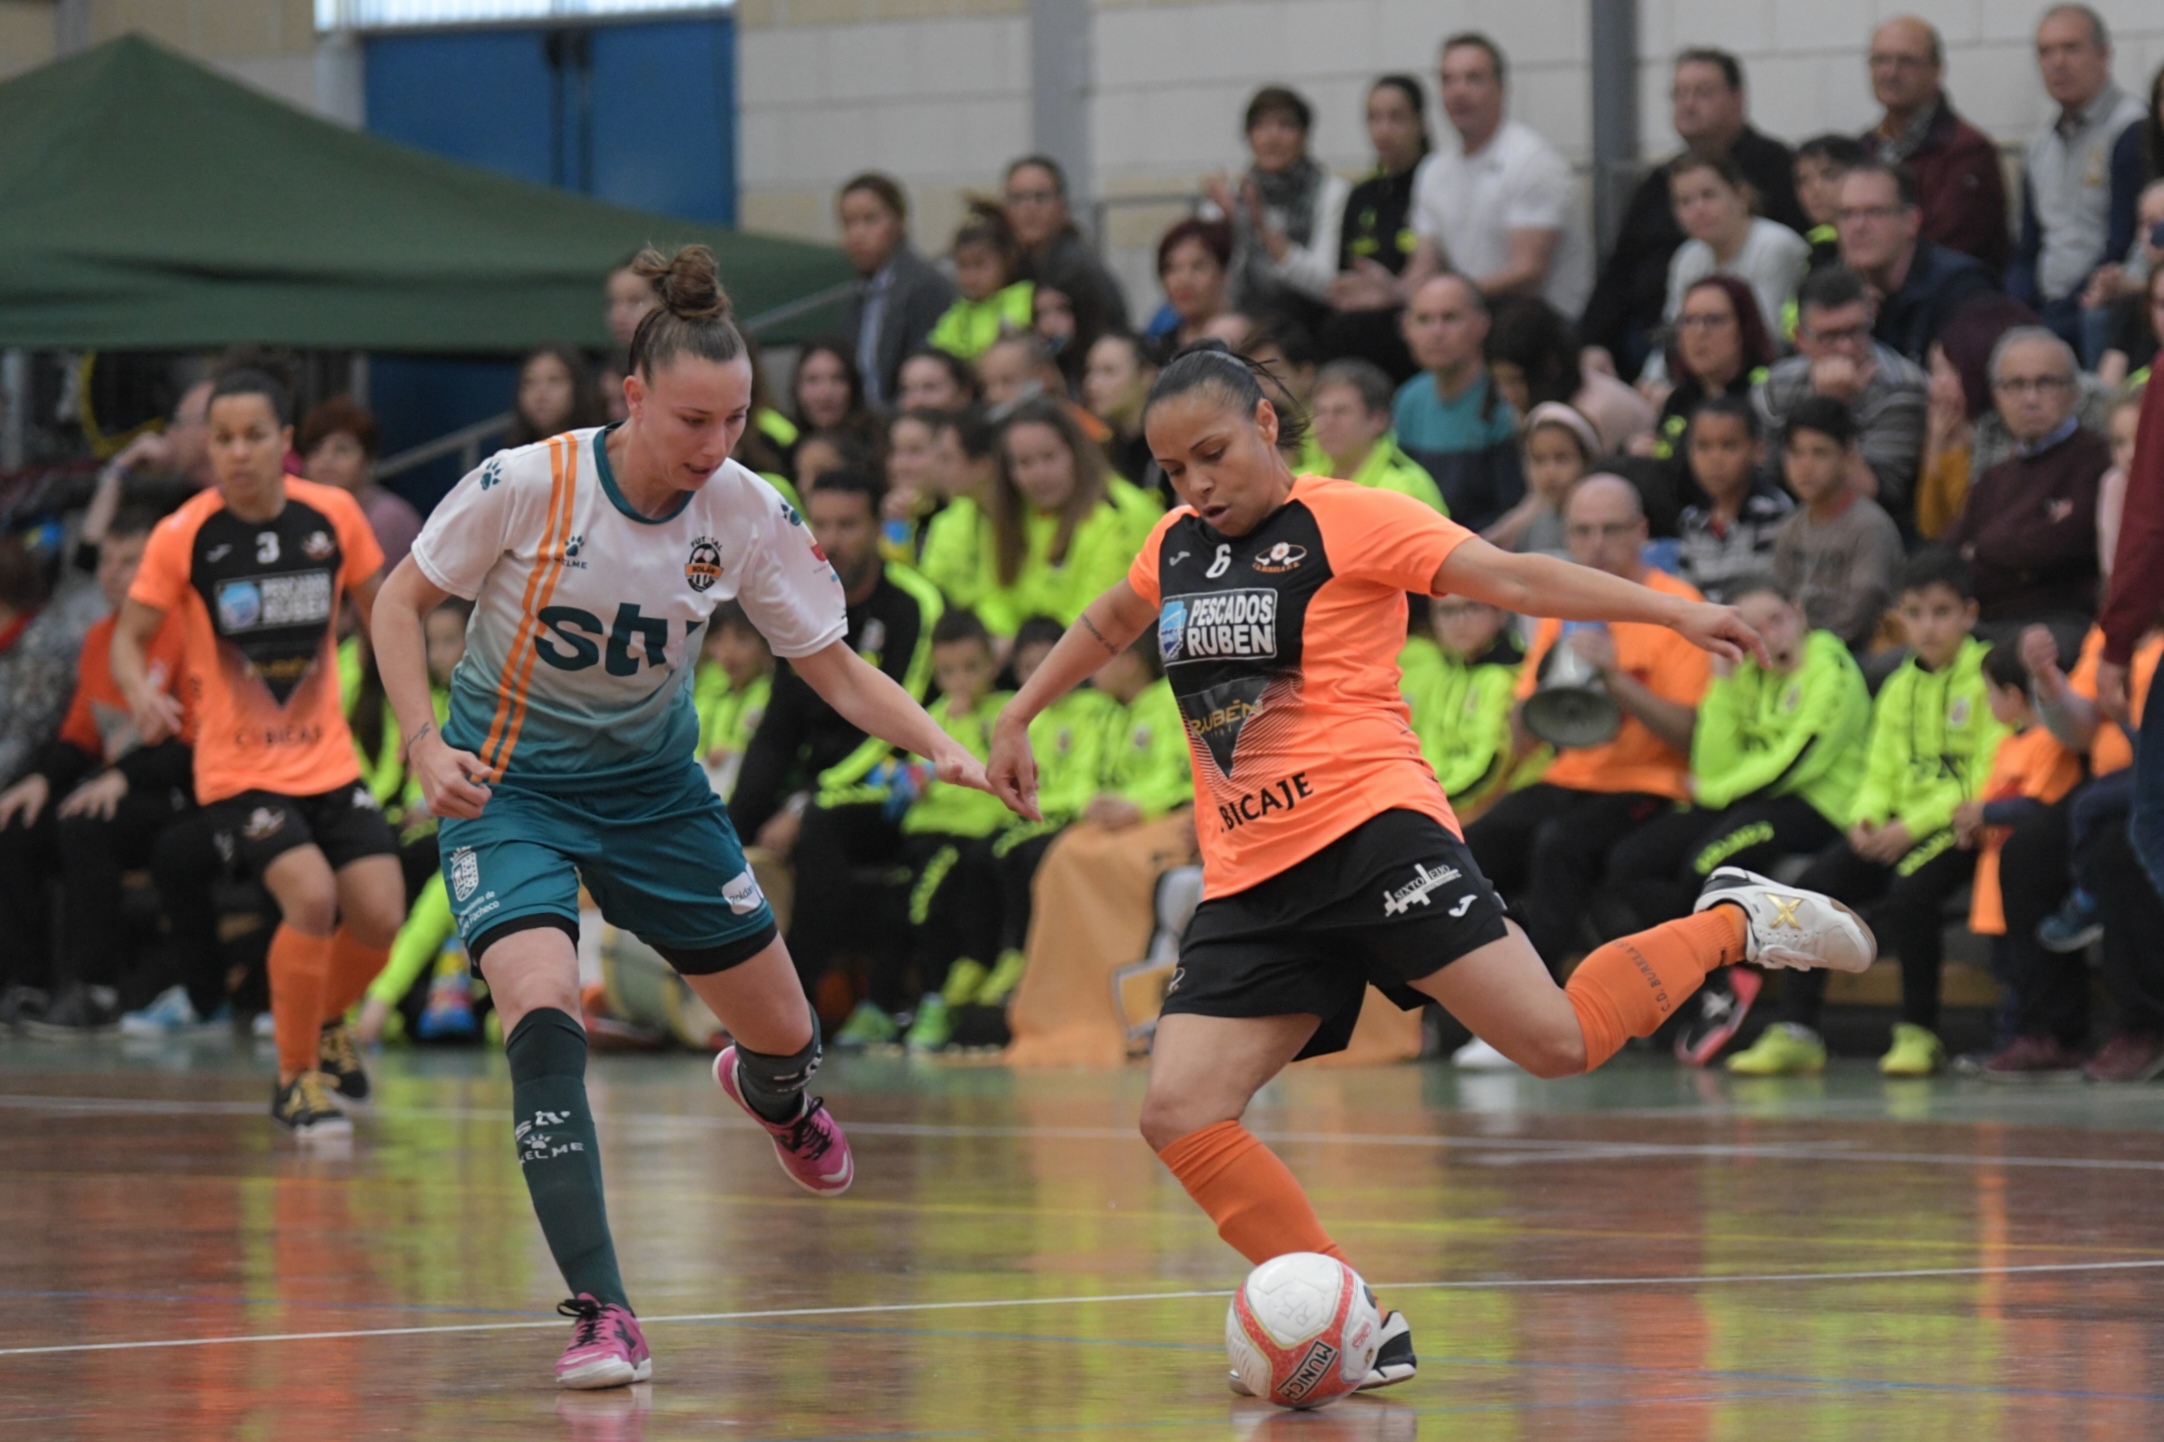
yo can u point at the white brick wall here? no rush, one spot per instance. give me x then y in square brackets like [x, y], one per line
[943, 102]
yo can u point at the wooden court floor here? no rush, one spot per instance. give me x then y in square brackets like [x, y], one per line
[1644, 1254]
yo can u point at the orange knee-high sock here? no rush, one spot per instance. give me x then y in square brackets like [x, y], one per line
[1628, 987]
[300, 970]
[1248, 1192]
[353, 967]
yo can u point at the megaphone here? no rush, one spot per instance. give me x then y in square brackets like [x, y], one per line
[1572, 707]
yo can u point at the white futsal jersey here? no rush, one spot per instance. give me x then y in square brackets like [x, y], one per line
[588, 616]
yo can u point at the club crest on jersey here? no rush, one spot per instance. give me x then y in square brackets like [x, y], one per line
[465, 873]
[317, 546]
[1280, 558]
[703, 569]
[492, 472]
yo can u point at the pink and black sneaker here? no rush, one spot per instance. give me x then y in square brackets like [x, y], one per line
[811, 1149]
[607, 1348]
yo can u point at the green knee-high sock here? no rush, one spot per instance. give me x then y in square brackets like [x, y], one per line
[558, 1151]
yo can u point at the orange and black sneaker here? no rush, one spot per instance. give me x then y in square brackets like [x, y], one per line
[303, 1107]
[338, 1059]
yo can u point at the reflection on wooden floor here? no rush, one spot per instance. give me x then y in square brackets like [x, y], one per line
[1646, 1254]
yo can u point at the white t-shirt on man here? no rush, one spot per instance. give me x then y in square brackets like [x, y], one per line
[1470, 204]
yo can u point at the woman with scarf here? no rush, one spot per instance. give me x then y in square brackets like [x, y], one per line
[1286, 213]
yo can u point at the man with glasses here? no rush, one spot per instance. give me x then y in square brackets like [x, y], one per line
[1920, 285]
[1837, 358]
[2028, 530]
[1058, 257]
[1961, 192]
[2085, 169]
[1709, 110]
[1546, 846]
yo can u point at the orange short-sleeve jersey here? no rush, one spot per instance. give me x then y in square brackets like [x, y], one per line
[1281, 646]
[258, 608]
[2109, 749]
[2028, 763]
[1668, 666]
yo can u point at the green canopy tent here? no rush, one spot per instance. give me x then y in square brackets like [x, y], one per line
[147, 203]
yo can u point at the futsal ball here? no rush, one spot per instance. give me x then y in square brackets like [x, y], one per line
[1302, 1330]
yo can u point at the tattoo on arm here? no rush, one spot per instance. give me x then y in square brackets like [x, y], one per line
[1087, 624]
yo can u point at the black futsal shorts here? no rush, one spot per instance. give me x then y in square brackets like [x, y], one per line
[1396, 899]
[255, 828]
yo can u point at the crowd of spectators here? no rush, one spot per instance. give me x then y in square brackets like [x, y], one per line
[1861, 388]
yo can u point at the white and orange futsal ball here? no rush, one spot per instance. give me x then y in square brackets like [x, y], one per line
[1302, 1330]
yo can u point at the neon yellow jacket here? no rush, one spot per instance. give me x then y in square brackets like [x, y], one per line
[727, 718]
[1387, 468]
[945, 810]
[970, 326]
[955, 552]
[1139, 508]
[1143, 752]
[1066, 738]
[1763, 735]
[1461, 713]
[1932, 742]
[1098, 555]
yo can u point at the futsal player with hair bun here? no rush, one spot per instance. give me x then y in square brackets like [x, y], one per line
[1330, 857]
[594, 560]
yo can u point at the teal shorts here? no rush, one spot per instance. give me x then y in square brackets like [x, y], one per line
[658, 854]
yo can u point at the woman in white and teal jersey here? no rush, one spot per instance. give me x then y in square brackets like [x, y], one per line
[593, 560]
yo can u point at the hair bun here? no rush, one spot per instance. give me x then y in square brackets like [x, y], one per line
[688, 282]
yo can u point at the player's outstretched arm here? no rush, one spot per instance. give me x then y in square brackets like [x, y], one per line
[450, 778]
[1545, 586]
[1106, 627]
[871, 700]
[156, 711]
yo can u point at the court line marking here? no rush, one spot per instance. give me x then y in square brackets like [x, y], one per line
[1519, 1150]
[985, 1304]
[1712, 1374]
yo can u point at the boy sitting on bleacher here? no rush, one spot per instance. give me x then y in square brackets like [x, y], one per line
[1110, 763]
[1775, 758]
[1461, 701]
[946, 846]
[2032, 770]
[730, 690]
[1933, 736]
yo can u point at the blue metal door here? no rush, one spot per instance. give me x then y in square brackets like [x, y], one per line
[639, 114]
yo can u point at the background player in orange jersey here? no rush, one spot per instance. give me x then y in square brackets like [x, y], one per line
[1330, 856]
[257, 569]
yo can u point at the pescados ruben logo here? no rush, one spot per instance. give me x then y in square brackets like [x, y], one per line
[1238, 625]
[1400, 901]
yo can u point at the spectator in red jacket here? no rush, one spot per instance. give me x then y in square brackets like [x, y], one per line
[2136, 600]
[1961, 190]
[2028, 529]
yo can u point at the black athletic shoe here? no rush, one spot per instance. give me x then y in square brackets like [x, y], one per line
[79, 1011]
[1394, 1359]
[340, 1062]
[1722, 1006]
[303, 1107]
